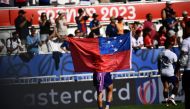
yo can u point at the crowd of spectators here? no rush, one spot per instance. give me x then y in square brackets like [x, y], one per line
[53, 37]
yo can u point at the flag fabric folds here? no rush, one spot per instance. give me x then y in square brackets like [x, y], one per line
[101, 54]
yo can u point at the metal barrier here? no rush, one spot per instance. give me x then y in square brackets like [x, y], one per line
[76, 77]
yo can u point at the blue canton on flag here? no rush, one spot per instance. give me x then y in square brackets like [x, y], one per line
[114, 44]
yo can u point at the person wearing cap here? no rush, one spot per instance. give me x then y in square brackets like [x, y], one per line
[166, 60]
[184, 62]
[61, 24]
[111, 29]
[13, 44]
[81, 20]
[33, 41]
[184, 21]
[120, 25]
[165, 13]
[95, 26]
[22, 25]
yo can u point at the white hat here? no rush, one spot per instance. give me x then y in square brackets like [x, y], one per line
[171, 33]
[184, 13]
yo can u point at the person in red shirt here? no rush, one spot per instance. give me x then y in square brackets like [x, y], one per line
[161, 36]
[147, 38]
[149, 24]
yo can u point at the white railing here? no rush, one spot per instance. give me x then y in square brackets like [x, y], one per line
[76, 77]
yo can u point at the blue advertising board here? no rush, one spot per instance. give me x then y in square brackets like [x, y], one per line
[23, 65]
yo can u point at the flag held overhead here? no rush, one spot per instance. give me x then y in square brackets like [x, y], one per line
[101, 54]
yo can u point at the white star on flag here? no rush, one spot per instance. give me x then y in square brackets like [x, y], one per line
[108, 42]
[115, 49]
[120, 41]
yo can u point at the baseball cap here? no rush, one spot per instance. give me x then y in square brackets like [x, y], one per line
[21, 12]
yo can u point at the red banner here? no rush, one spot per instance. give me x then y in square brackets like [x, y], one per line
[4, 18]
[132, 11]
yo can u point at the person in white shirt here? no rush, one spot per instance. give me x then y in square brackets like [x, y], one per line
[166, 60]
[61, 24]
[54, 43]
[184, 61]
[13, 44]
[137, 40]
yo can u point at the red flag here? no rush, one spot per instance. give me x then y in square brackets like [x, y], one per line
[101, 54]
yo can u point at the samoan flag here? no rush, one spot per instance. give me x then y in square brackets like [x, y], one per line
[101, 54]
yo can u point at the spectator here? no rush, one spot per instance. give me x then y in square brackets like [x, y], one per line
[111, 30]
[14, 45]
[44, 25]
[3, 49]
[61, 24]
[166, 12]
[147, 38]
[81, 20]
[172, 22]
[137, 40]
[44, 2]
[135, 26]
[22, 24]
[171, 35]
[54, 43]
[33, 41]
[78, 33]
[184, 21]
[95, 26]
[120, 25]
[149, 24]
[4, 3]
[65, 44]
[20, 3]
[161, 36]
